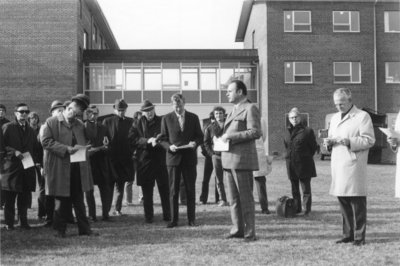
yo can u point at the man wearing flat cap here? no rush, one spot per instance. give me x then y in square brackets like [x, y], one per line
[56, 108]
[151, 165]
[118, 126]
[62, 136]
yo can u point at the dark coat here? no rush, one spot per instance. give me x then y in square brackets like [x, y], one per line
[102, 169]
[120, 150]
[300, 147]
[150, 160]
[212, 130]
[172, 134]
[14, 177]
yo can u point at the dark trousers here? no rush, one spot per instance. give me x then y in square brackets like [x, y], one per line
[119, 191]
[262, 191]
[354, 213]
[22, 206]
[306, 188]
[105, 197]
[50, 205]
[219, 177]
[188, 173]
[63, 205]
[208, 169]
[163, 190]
[42, 196]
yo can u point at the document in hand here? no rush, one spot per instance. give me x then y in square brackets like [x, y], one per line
[390, 133]
[187, 146]
[219, 145]
[80, 155]
[27, 161]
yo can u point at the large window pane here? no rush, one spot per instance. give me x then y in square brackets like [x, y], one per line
[347, 72]
[209, 78]
[171, 79]
[392, 70]
[152, 79]
[342, 68]
[298, 72]
[227, 75]
[289, 77]
[248, 76]
[302, 17]
[133, 79]
[392, 21]
[190, 79]
[302, 68]
[95, 78]
[113, 76]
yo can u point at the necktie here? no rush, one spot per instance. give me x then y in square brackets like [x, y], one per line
[180, 119]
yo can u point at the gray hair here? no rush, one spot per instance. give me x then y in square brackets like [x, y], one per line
[294, 110]
[343, 92]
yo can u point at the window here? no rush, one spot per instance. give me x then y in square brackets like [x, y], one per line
[392, 21]
[133, 79]
[248, 76]
[227, 75]
[152, 79]
[171, 79]
[347, 72]
[190, 80]
[297, 21]
[209, 77]
[95, 78]
[346, 21]
[85, 40]
[113, 76]
[298, 72]
[392, 72]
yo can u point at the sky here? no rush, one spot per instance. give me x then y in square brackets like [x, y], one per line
[173, 24]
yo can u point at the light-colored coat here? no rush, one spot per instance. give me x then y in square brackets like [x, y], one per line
[56, 136]
[397, 184]
[243, 127]
[349, 165]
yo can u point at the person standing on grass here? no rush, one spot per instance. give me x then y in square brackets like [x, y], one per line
[20, 142]
[264, 163]
[394, 145]
[350, 136]
[61, 137]
[242, 127]
[151, 168]
[102, 170]
[215, 129]
[180, 136]
[118, 126]
[3, 120]
[300, 145]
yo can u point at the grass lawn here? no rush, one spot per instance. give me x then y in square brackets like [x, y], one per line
[296, 241]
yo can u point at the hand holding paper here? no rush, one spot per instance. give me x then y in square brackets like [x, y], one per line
[220, 144]
[80, 154]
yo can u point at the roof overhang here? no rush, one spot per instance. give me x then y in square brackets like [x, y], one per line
[244, 20]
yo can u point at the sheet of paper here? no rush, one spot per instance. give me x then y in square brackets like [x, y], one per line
[27, 161]
[219, 145]
[390, 132]
[187, 146]
[80, 155]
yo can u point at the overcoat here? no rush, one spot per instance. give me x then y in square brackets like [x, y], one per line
[349, 164]
[264, 161]
[300, 145]
[13, 176]
[397, 183]
[243, 127]
[56, 136]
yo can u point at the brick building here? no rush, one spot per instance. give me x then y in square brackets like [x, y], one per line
[307, 49]
[41, 47]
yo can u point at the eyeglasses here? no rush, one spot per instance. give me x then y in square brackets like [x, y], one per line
[23, 111]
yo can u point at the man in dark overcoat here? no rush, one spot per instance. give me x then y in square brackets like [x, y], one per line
[300, 147]
[3, 120]
[118, 126]
[151, 165]
[16, 181]
[181, 134]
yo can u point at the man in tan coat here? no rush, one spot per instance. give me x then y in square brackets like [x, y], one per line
[242, 127]
[350, 136]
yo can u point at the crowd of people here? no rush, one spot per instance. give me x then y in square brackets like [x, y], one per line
[74, 149]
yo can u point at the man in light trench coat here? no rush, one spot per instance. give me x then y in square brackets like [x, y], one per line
[350, 136]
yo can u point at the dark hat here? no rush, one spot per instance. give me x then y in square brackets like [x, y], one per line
[3, 107]
[56, 104]
[92, 108]
[120, 104]
[81, 99]
[146, 106]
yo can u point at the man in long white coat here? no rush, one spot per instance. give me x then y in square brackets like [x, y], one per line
[394, 145]
[350, 136]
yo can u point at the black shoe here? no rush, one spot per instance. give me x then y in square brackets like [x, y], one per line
[167, 219]
[149, 220]
[360, 242]
[234, 236]
[60, 234]
[172, 224]
[48, 224]
[250, 239]
[266, 211]
[344, 240]
[192, 224]
[9, 227]
[93, 218]
[90, 233]
[25, 226]
[107, 219]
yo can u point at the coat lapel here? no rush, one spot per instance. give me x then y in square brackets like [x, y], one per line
[240, 109]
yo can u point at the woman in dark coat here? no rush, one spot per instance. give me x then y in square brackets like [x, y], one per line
[300, 147]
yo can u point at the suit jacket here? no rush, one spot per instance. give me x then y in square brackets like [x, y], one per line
[243, 127]
[213, 130]
[300, 147]
[13, 175]
[172, 134]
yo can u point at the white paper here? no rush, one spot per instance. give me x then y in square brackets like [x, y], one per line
[390, 132]
[80, 155]
[219, 145]
[27, 161]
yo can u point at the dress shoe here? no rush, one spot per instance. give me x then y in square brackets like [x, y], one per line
[234, 236]
[93, 218]
[266, 211]
[149, 220]
[192, 224]
[166, 218]
[25, 226]
[359, 242]
[60, 234]
[344, 240]
[117, 213]
[172, 225]
[9, 227]
[222, 203]
[106, 219]
[249, 239]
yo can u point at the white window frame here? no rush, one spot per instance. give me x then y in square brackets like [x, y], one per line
[386, 17]
[292, 13]
[293, 65]
[390, 80]
[346, 24]
[349, 75]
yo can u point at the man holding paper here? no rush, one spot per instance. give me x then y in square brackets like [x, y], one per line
[180, 136]
[394, 142]
[63, 136]
[242, 128]
[18, 177]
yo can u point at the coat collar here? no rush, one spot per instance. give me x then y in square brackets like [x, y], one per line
[240, 108]
[353, 111]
